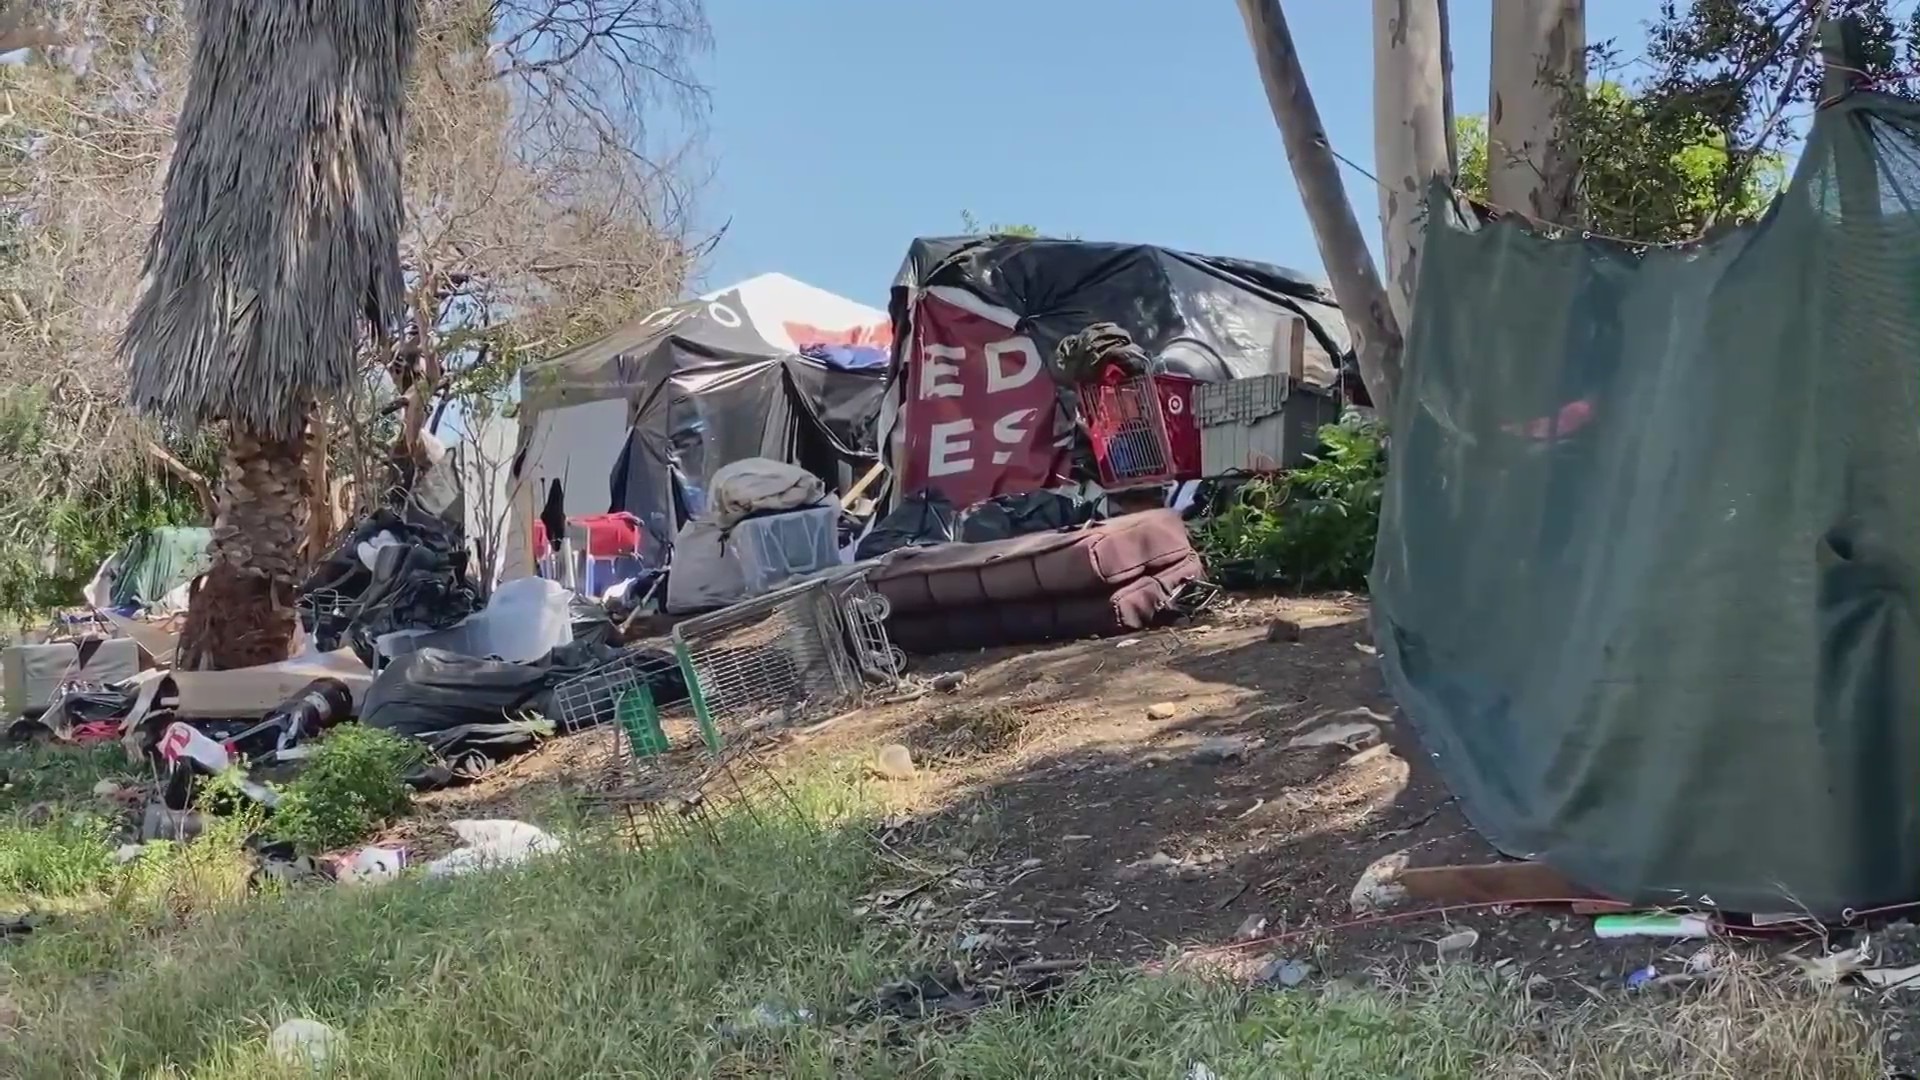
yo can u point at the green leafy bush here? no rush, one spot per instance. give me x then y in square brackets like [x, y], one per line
[354, 783]
[1314, 527]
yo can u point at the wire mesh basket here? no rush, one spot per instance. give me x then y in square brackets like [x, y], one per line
[796, 654]
[628, 695]
[1128, 431]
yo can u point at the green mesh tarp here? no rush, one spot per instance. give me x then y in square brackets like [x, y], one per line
[1648, 579]
[158, 561]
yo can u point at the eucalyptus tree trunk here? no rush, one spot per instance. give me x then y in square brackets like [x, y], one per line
[1343, 248]
[1539, 57]
[1412, 131]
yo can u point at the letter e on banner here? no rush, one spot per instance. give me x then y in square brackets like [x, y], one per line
[940, 371]
[977, 380]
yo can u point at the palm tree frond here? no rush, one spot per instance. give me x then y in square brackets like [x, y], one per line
[278, 239]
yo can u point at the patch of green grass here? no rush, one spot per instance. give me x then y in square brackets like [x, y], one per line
[69, 856]
[354, 783]
[55, 772]
[611, 961]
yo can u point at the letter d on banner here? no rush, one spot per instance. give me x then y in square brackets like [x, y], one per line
[1029, 359]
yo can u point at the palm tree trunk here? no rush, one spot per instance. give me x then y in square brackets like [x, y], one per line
[243, 612]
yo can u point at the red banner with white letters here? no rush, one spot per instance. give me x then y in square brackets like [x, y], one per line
[978, 406]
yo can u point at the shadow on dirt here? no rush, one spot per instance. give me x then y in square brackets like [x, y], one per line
[1194, 829]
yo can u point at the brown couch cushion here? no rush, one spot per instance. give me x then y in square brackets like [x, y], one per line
[1069, 562]
[1132, 606]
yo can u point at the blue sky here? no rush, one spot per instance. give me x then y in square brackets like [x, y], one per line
[841, 129]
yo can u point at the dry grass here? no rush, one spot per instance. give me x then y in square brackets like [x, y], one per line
[1749, 1021]
[967, 733]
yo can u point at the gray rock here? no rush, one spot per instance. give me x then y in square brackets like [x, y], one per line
[1283, 973]
[1221, 749]
[1379, 886]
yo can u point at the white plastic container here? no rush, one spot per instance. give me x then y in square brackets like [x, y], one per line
[776, 549]
[524, 620]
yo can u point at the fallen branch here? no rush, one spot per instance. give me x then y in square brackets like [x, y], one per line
[186, 474]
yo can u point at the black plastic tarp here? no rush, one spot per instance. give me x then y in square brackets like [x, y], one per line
[706, 387]
[1648, 575]
[456, 703]
[975, 317]
[1207, 316]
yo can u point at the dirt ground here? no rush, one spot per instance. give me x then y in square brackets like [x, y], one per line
[1136, 800]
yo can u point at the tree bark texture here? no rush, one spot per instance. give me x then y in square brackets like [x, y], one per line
[242, 613]
[1539, 53]
[1343, 248]
[1412, 131]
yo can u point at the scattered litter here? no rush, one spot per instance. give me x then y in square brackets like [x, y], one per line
[894, 762]
[1681, 927]
[1641, 979]
[1201, 1072]
[308, 1043]
[1283, 973]
[1159, 860]
[1905, 978]
[1828, 970]
[949, 682]
[764, 1017]
[1378, 888]
[1352, 734]
[106, 789]
[950, 992]
[371, 866]
[127, 853]
[490, 844]
[1251, 927]
[1221, 749]
[1457, 945]
[1366, 648]
[160, 823]
[976, 942]
[1704, 961]
[1283, 630]
[1162, 710]
[1127, 643]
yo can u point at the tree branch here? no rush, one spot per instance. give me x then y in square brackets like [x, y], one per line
[186, 474]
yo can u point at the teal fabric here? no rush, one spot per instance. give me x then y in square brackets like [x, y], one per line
[1648, 577]
[158, 561]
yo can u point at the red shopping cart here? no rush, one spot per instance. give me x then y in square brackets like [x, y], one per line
[1127, 426]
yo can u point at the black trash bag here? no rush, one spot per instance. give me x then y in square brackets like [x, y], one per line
[927, 518]
[592, 622]
[418, 583]
[1017, 515]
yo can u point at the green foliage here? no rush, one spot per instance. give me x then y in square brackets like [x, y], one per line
[1314, 527]
[70, 856]
[1735, 63]
[1648, 173]
[354, 784]
[56, 529]
[972, 226]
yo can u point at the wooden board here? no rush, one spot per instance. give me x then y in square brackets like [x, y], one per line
[1494, 883]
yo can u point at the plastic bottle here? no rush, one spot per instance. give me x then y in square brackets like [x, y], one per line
[315, 708]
